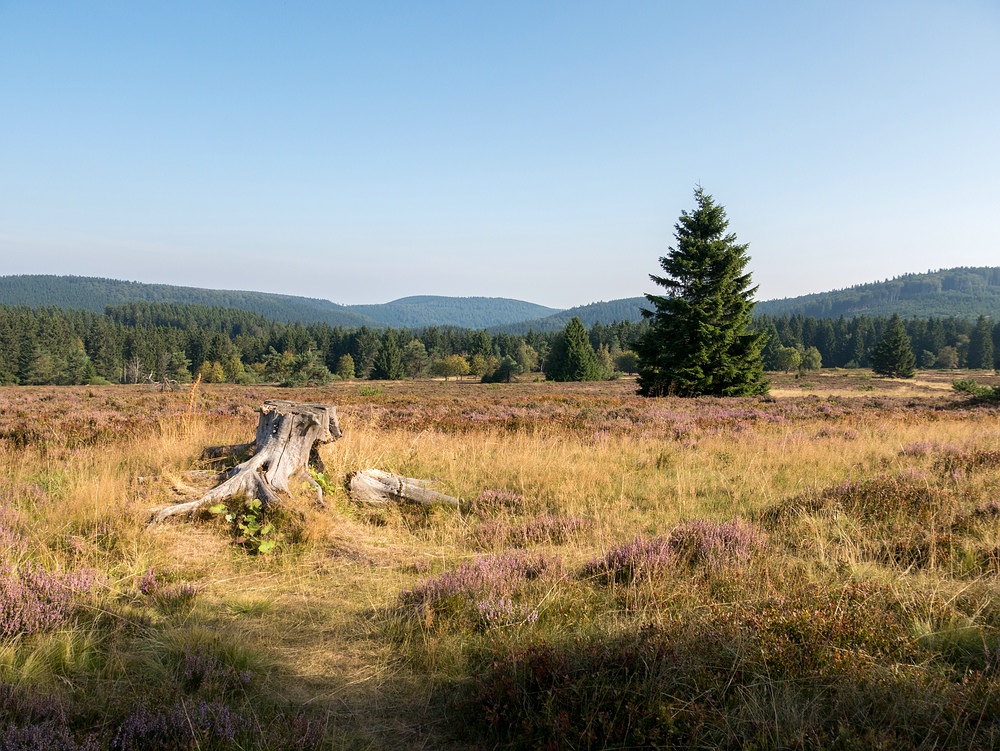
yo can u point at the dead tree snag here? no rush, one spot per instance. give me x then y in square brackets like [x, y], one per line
[285, 446]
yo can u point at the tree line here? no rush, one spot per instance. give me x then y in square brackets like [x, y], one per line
[162, 342]
[798, 340]
[141, 342]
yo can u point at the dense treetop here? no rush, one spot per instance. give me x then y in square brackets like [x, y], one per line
[699, 340]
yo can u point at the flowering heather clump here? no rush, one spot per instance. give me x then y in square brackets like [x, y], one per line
[956, 463]
[174, 598]
[641, 556]
[491, 502]
[204, 670]
[877, 499]
[493, 576]
[921, 448]
[177, 598]
[32, 600]
[44, 736]
[713, 543]
[148, 583]
[503, 611]
[180, 728]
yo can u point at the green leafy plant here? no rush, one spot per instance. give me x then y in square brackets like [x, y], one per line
[370, 391]
[974, 388]
[252, 531]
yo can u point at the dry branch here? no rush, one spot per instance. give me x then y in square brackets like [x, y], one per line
[373, 486]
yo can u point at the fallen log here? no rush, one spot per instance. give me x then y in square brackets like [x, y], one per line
[285, 446]
[373, 486]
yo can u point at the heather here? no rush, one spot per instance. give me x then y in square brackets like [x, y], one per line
[813, 569]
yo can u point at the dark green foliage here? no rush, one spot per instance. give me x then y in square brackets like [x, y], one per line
[307, 369]
[505, 371]
[699, 341]
[848, 342]
[572, 358]
[981, 345]
[893, 357]
[415, 359]
[92, 293]
[48, 346]
[389, 361]
[986, 394]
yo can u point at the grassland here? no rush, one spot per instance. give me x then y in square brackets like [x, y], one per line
[815, 569]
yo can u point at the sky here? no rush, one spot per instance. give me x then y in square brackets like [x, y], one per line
[366, 151]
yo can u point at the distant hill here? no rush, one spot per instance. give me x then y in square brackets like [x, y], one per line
[964, 292]
[626, 309]
[467, 312]
[961, 292]
[92, 293]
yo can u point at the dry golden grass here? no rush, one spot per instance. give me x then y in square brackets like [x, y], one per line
[319, 616]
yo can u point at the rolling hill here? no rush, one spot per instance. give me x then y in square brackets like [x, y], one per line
[625, 309]
[467, 312]
[964, 292]
[93, 293]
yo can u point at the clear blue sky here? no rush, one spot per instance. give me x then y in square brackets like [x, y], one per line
[366, 151]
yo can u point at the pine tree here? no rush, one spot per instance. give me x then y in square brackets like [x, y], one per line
[699, 340]
[389, 361]
[572, 357]
[981, 345]
[893, 356]
[345, 366]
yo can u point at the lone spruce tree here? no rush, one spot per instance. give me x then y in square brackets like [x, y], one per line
[893, 356]
[699, 340]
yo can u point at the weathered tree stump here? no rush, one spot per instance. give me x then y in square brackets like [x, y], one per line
[285, 446]
[373, 486]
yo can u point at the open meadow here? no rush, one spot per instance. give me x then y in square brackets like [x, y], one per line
[819, 568]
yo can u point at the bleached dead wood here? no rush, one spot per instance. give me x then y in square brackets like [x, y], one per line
[285, 446]
[373, 486]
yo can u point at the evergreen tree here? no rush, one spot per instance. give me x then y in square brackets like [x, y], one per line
[308, 369]
[79, 369]
[389, 361]
[178, 367]
[893, 356]
[981, 345]
[572, 358]
[345, 367]
[699, 341]
[415, 358]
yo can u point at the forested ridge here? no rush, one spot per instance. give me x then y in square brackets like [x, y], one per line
[156, 341]
[95, 294]
[964, 292]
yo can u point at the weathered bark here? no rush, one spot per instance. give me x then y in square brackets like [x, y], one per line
[373, 486]
[287, 433]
